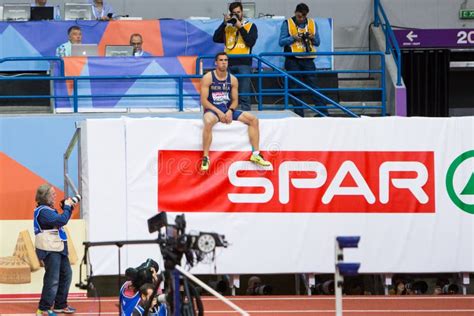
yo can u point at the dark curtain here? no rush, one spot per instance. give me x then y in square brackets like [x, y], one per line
[426, 76]
[24, 88]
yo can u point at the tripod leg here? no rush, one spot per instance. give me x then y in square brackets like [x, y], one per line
[188, 303]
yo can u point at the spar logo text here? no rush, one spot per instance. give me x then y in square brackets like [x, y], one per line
[348, 168]
[302, 181]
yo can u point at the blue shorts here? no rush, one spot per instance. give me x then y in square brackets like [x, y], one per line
[224, 109]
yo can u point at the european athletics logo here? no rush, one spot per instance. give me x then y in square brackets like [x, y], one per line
[455, 182]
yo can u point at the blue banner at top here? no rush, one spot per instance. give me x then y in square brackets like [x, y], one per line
[168, 38]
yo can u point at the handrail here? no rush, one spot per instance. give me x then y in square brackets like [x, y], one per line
[367, 53]
[52, 58]
[391, 43]
[75, 95]
[287, 76]
[277, 72]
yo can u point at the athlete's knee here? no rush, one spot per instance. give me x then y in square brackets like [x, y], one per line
[208, 126]
[253, 120]
[209, 121]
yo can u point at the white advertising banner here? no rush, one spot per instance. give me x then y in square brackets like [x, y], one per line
[405, 185]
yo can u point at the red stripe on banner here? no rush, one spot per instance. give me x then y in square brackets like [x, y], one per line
[298, 182]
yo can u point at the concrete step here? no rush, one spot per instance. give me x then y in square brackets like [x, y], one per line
[24, 109]
[339, 113]
[359, 96]
[358, 111]
[358, 83]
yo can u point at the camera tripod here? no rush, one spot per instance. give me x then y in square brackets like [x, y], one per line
[183, 299]
[181, 296]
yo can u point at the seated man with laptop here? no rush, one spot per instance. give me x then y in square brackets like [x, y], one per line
[136, 41]
[134, 49]
[75, 37]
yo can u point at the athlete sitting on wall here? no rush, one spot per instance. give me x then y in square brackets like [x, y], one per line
[219, 97]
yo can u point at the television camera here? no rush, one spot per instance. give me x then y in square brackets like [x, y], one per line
[181, 296]
[175, 242]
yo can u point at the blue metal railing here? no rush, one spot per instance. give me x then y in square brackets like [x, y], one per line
[286, 76]
[381, 71]
[76, 96]
[391, 44]
[277, 72]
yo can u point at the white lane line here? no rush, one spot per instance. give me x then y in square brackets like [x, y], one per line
[302, 312]
[359, 298]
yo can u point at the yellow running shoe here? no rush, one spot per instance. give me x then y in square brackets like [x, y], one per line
[259, 160]
[205, 163]
[48, 312]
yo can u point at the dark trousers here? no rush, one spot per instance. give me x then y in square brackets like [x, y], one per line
[56, 281]
[303, 64]
[244, 84]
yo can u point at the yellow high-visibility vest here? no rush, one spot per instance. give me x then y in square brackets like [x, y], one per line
[294, 30]
[234, 43]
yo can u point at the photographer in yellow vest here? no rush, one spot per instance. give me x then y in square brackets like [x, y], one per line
[238, 36]
[299, 34]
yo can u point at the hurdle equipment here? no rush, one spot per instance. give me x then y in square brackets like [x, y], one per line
[343, 268]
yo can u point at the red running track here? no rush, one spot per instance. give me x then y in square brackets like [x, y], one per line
[284, 305]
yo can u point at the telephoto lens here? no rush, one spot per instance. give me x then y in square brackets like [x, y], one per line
[76, 198]
[233, 19]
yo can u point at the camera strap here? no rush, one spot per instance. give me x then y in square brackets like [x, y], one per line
[235, 42]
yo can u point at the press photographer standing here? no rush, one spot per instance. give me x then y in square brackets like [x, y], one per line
[299, 34]
[238, 36]
[51, 248]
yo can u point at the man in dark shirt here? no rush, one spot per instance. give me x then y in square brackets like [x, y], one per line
[238, 36]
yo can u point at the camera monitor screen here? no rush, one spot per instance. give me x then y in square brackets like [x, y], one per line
[78, 11]
[84, 50]
[42, 13]
[118, 50]
[16, 12]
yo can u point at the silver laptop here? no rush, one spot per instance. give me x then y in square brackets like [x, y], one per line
[118, 50]
[16, 11]
[84, 50]
[77, 11]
